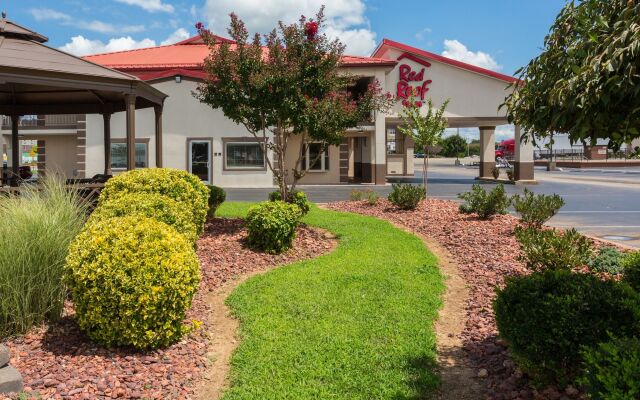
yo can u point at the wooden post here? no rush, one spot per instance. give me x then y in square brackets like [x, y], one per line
[106, 117]
[15, 150]
[158, 114]
[130, 102]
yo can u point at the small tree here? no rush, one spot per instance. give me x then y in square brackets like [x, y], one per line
[454, 145]
[425, 130]
[283, 85]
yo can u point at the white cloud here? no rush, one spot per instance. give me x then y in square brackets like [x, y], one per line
[44, 14]
[193, 11]
[177, 36]
[422, 33]
[150, 5]
[458, 51]
[81, 46]
[504, 132]
[345, 19]
[47, 14]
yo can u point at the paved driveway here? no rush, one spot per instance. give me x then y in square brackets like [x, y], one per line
[600, 203]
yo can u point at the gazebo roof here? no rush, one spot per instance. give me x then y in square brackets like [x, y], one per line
[38, 79]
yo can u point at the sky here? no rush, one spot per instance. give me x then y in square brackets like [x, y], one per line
[501, 35]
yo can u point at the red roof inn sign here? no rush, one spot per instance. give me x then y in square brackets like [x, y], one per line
[412, 81]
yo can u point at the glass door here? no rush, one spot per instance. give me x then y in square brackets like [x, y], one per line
[200, 159]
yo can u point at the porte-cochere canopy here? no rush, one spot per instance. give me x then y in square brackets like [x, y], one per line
[38, 79]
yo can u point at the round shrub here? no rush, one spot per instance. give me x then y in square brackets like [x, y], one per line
[174, 183]
[406, 196]
[132, 280]
[608, 260]
[272, 225]
[631, 267]
[296, 197]
[217, 196]
[151, 205]
[547, 317]
[612, 370]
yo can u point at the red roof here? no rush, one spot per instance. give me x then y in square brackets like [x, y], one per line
[387, 43]
[186, 58]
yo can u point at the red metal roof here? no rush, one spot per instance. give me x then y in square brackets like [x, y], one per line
[387, 43]
[187, 56]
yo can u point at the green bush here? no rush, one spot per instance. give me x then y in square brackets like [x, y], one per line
[296, 197]
[631, 266]
[36, 228]
[174, 183]
[132, 280]
[552, 249]
[151, 205]
[356, 195]
[535, 210]
[510, 175]
[612, 370]
[608, 260]
[485, 204]
[217, 196]
[406, 196]
[547, 317]
[272, 225]
[495, 172]
[372, 198]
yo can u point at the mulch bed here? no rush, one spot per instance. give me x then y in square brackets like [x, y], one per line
[58, 362]
[486, 252]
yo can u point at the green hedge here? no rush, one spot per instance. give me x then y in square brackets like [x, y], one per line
[406, 196]
[176, 184]
[296, 197]
[132, 280]
[151, 205]
[272, 225]
[544, 249]
[547, 318]
[217, 196]
[485, 204]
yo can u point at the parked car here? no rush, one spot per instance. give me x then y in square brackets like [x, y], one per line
[418, 155]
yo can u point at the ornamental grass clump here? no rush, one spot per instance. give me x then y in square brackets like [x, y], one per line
[132, 279]
[272, 226]
[36, 228]
[179, 185]
[150, 205]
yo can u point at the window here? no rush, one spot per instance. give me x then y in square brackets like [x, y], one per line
[313, 160]
[395, 142]
[119, 155]
[244, 155]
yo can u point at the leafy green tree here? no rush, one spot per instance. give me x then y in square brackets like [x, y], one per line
[283, 85]
[453, 146]
[425, 130]
[586, 82]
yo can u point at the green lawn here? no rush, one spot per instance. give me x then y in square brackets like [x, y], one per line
[356, 323]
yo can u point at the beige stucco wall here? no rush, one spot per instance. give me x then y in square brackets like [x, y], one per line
[332, 176]
[184, 117]
[60, 151]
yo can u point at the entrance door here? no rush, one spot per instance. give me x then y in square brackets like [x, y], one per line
[200, 159]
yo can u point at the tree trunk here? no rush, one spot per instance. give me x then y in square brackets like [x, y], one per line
[425, 170]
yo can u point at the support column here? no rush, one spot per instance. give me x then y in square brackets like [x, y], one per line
[130, 102]
[106, 118]
[487, 150]
[15, 150]
[379, 143]
[158, 114]
[523, 166]
[351, 158]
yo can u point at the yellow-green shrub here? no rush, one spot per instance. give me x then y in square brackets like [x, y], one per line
[174, 183]
[132, 280]
[151, 205]
[272, 225]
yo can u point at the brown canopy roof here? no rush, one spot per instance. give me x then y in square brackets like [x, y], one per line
[37, 79]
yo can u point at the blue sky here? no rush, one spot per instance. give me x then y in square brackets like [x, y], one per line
[498, 34]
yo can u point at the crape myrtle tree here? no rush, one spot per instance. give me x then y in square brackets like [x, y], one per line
[425, 130]
[586, 81]
[285, 85]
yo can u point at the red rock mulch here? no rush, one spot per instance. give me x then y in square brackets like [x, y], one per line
[486, 253]
[58, 362]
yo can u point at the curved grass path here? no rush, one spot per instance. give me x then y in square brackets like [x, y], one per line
[356, 323]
